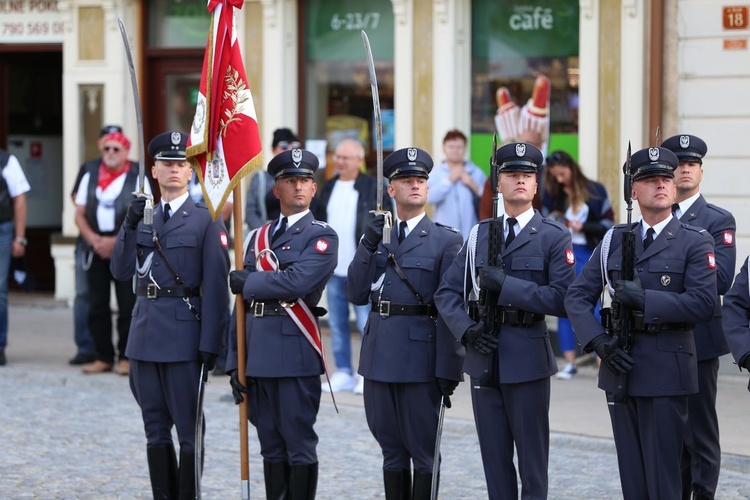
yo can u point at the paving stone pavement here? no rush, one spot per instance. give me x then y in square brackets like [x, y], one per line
[68, 435]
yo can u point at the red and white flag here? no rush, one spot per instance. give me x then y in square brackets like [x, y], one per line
[224, 143]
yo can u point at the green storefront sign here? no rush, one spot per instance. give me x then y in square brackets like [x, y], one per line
[523, 28]
[334, 29]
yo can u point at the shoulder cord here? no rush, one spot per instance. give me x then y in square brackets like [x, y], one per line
[471, 254]
[603, 259]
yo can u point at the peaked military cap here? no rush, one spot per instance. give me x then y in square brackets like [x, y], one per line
[293, 163]
[168, 146]
[519, 157]
[649, 162]
[407, 162]
[686, 147]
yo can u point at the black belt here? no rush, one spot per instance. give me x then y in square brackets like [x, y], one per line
[152, 291]
[387, 308]
[508, 315]
[276, 308]
[654, 328]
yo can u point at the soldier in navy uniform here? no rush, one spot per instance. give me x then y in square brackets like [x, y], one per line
[736, 319]
[510, 368]
[287, 265]
[673, 289]
[701, 457]
[181, 265]
[409, 359]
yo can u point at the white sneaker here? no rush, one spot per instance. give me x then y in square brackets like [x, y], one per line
[360, 387]
[567, 372]
[340, 382]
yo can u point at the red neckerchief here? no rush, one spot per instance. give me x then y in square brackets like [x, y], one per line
[107, 176]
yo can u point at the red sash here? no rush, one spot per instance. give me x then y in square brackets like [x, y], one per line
[299, 312]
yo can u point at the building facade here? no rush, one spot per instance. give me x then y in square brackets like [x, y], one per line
[617, 70]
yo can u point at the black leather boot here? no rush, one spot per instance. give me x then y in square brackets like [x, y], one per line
[422, 486]
[187, 476]
[162, 469]
[303, 481]
[397, 484]
[276, 475]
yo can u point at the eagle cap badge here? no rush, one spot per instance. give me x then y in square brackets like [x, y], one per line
[653, 154]
[176, 138]
[684, 141]
[296, 155]
[411, 154]
[520, 150]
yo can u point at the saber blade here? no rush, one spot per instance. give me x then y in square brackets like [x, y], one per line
[378, 141]
[436, 460]
[148, 213]
[199, 431]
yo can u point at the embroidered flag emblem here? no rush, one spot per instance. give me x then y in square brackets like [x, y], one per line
[728, 238]
[224, 240]
[570, 257]
[321, 245]
[711, 261]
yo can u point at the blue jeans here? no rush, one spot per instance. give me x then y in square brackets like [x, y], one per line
[338, 320]
[6, 247]
[565, 334]
[81, 335]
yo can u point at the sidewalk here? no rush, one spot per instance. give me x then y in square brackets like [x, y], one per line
[67, 435]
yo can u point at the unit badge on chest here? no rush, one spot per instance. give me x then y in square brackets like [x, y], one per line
[666, 280]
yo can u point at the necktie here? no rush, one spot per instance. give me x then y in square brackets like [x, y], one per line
[166, 212]
[649, 237]
[511, 231]
[280, 230]
[401, 231]
[675, 208]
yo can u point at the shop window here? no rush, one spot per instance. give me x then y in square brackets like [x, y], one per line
[178, 23]
[513, 43]
[336, 82]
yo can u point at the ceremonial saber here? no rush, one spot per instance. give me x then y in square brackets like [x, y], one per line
[148, 212]
[436, 461]
[199, 430]
[378, 142]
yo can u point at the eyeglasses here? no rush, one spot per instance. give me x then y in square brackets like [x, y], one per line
[345, 158]
[114, 149]
[288, 145]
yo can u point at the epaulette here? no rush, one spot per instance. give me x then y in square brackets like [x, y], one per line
[554, 224]
[722, 211]
[201, 204]
[449, 228]
[320, 223]
[693, 228]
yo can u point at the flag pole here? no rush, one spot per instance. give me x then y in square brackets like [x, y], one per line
[239, 310]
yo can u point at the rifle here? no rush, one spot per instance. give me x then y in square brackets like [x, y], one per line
[622, 324]
[488, 312]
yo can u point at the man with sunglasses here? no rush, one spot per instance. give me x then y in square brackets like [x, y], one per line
[85, 348]
[261, 205]
[102, 200]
